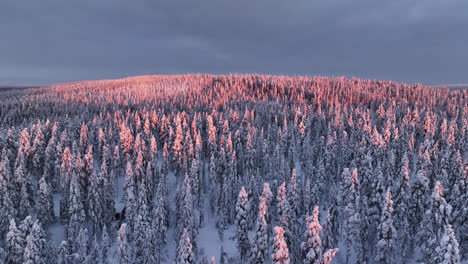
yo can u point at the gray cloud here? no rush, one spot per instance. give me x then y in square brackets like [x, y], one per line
[53, 41]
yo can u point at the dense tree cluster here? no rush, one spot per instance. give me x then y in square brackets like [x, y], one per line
[305, 170]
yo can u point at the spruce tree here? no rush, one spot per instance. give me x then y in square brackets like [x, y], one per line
[184, 250]
[386, 233]
[281, 252]
[242, 208]
[312, 246]
[259, 251]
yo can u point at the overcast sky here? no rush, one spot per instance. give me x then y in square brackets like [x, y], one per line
[51, 41]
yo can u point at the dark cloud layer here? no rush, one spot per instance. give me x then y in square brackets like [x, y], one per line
[51, 41]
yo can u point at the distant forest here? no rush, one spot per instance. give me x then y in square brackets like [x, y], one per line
[233, 169]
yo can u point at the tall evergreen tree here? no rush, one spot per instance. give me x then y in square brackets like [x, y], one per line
[281, 252]
[386, 233]
[242, 208]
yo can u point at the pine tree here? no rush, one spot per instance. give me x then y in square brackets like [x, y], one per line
[7, 207]
[159, 221]
[435, 219]
[14, 244]
[350, 199]
[259, 251]
[281, 252]
[328, 256]
[45, 213]
[242, 208]
[386, 233]
[105, 245]
[122, 245]
[448, 251]
[184, 250]
[94, 252]
[418, 200]
[35, 249]
[312, 246]
[66, 174]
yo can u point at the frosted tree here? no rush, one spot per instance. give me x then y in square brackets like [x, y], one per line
[105, 245]
[418, 200]
[94, 252]
[14, 244]
[82, 243]
[35, 249]
[259, 250]
[447, 252]
[122, 245]
[435, 219]
[45, 214]
[76, 214]
[23, 186]
[66, 174]
[95, 199]
[242, 208]
[329, 231]
[184, 250]
[350, 198]
[130, 194]
[281, 252]
[7, 207]
[159, 221]
[312, 246]
[328, 256]
[386, 233]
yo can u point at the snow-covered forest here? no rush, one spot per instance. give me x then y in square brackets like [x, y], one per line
[234, 169]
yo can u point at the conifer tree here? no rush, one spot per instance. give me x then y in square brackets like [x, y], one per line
[281, 252]
[386, 233]
[312, 246]
[242, 208]
[35, 249]
[122, 245]
[14, 244]
[184, 250]
[259, 251]
[45, 213]
[447, 252]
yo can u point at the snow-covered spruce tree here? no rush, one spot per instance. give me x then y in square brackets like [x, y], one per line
[259, 250]
[95, 199]
[45, 214]
[105, 245]
[242, 209]
[82, 244]
[23, 187]
[329, 236]
[328, 256]
[386, 233]
[184, 250]
[14, 244]
[130, 201]
[94, 252]
[435, 219]
[418, 200]
[212, 184]
[35, 250]
[159, 221]
[312, 246]
[7, 207]
[122, 245]
[281, 252]
[350, 199]
[447, 252]
[38, 151]
[76, 215]
[66, 174]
